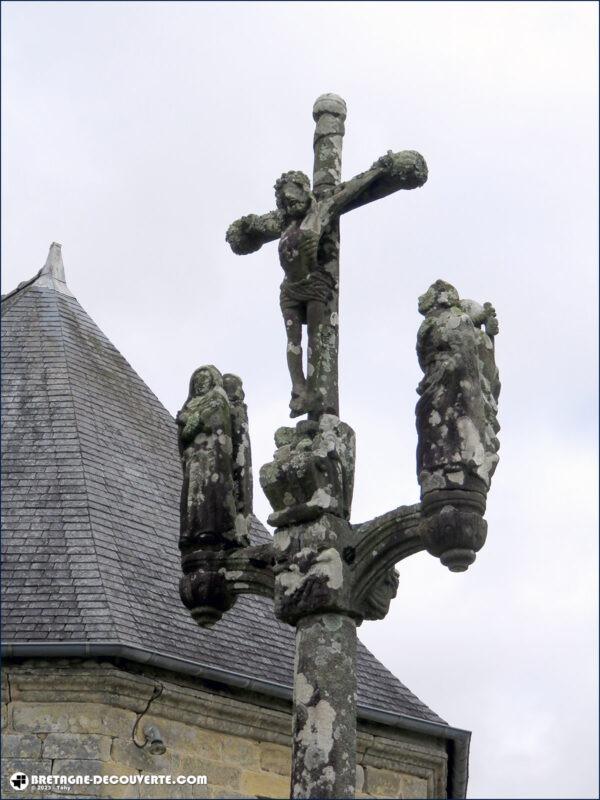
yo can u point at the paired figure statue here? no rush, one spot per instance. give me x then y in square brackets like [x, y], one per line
[214, 445]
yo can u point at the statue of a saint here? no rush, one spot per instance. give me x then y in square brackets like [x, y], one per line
[456, 411]
[486, 328]
[208, 504]
[241, 454]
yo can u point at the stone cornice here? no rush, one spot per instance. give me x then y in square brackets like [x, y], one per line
[431, 751]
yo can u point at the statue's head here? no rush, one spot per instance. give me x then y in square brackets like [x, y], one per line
[292, 194]
[491, 320]
[439, 295]
[233, 388]
[204, 379]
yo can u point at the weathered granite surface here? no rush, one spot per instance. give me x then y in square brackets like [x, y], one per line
[457, 450]
[312, 471]
[208, 497]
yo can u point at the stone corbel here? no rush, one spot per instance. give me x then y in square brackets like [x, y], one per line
[212, 580]
[453, 527]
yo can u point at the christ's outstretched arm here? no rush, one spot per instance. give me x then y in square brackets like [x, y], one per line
[249, 233]
[391, 172]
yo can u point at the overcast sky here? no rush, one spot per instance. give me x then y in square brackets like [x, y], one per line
[134, 133]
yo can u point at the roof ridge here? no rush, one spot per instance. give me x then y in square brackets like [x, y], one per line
[77, 428]
[21, 286]
[37, 344]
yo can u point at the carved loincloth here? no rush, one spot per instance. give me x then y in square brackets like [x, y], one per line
[317, 286]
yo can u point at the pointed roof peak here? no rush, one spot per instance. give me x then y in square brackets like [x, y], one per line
[54, 264]
[52, 274]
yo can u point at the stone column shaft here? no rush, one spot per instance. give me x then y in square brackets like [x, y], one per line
[329, 113]
[324, 721]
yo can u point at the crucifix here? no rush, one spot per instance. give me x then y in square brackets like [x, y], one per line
[325, 574]
[307, 225]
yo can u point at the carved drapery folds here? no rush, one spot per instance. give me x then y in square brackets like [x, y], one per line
[457, 450]
[208, 498]
[241, 450]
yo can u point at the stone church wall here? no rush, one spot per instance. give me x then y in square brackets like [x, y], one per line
[74, 717]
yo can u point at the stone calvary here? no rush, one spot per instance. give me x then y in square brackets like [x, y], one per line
[326, 574]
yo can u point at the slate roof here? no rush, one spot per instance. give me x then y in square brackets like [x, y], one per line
[91, 483]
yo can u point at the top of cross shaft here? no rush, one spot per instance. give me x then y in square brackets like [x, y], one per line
[329, 104]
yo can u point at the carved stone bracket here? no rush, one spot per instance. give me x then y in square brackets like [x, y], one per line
[453, 527]
[212, 580]
[318, 562]
[381, 544]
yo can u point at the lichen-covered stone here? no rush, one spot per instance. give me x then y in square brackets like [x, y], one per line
[208, 504]
[312, 472]
[457, 422]
[204, 588]
[25, 745]
[218, 735]
[4, 712]
[329, 575]
[456, 531]
[313, 573]
[41, 717]
[74, 745]
[242, 452]
[456, 411]
[214, 578]
[324, 722]
[216, 496]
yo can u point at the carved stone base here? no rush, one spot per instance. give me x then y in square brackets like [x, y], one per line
[453, 528]
[312, 472]
[207, 594]
[212, 580]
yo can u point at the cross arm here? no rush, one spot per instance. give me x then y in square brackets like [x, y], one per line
[381, 543]
[394, 171]
[249, 233]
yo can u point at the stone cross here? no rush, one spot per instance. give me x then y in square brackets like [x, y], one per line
[307, 224]
[325, 574]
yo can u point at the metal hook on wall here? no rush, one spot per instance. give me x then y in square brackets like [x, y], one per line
[152, 735]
